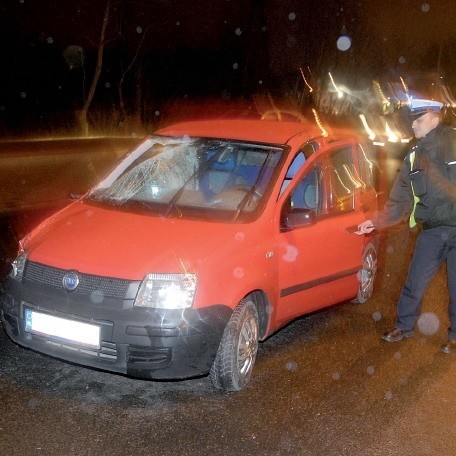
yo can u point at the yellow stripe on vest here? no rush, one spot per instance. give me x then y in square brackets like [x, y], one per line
[412, 221]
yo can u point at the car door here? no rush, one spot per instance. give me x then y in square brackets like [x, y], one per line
[319, 258]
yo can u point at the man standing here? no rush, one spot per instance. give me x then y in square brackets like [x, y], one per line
[425, 193]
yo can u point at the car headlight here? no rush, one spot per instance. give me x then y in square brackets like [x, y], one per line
[17, 266]
[167, 291]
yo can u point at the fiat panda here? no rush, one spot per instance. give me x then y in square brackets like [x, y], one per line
[201, 242]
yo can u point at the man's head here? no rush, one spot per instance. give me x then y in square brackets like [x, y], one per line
[425, 114]
[423, 124]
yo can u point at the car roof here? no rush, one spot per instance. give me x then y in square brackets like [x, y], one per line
[267, 131]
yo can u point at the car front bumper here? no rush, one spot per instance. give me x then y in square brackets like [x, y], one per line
[145, 343]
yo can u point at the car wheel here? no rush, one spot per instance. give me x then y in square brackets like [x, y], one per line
[366, 275]
[236, 355]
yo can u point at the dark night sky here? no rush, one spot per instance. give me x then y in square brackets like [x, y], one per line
[203, 23]
[403, 26]
[413, 22]
[228, 42]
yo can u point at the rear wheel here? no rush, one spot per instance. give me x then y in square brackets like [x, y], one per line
[235, 359]
[366, 275]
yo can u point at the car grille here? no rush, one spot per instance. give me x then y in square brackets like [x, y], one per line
[107, 351]
[88, 284]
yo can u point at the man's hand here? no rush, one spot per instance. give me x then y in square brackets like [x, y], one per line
[365, 227]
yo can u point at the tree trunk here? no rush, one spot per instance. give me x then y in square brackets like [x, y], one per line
[82, 114]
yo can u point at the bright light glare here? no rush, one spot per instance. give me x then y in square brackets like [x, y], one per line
[305, 81]
[392, 137]
[339, 92]
[320, 125]
[369, 131]
[404, 85]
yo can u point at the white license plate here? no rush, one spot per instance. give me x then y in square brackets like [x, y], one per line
[62, 329]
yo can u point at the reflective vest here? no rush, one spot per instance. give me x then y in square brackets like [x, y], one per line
[412, 221]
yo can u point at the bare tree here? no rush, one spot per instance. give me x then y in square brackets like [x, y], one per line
[124, 72]
[82, 114]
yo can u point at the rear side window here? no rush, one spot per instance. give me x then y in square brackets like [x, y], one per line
[366, 167]
[342, 181]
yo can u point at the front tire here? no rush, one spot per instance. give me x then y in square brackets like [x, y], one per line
[233, 365]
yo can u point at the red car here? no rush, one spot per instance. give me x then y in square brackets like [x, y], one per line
[202, 241]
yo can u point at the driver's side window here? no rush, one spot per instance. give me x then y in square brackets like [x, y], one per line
[306, 194]
[303, 204]
[298, 161]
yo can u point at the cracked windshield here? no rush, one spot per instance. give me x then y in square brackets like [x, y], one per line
[197, 173]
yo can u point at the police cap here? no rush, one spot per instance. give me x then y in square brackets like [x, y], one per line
[419, 107]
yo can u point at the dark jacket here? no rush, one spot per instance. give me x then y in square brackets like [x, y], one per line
[433, 177]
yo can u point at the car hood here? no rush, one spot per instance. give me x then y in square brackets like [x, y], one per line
[114, 243]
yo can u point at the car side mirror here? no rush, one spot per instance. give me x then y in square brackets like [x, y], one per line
[297, 218]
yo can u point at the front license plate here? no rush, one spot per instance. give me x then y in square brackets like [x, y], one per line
[62, 329]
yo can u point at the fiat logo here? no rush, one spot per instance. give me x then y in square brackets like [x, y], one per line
[70, 281]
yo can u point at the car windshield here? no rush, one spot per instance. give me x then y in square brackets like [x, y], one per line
[191, 176]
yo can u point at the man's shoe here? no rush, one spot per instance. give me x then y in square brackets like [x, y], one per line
[397, 334]
[449, 347]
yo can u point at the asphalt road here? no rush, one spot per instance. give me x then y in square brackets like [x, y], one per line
[324, 385]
